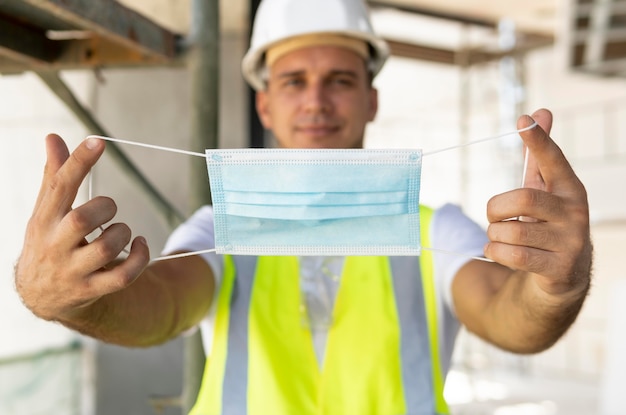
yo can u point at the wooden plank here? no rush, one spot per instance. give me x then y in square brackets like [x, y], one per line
[112, 20]
[107, 18]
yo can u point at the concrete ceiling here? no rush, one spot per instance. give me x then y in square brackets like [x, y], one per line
[529, 15]
[420, 29]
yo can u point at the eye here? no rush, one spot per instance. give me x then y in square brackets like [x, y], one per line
[342, 81]
[293, 82]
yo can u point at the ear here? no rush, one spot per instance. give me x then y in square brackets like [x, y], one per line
[262, 108]
[373, 104]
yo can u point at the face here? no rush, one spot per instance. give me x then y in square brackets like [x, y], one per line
[318, 97]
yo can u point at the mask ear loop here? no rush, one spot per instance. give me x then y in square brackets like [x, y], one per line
[480, 140]
[183, 255]
[525, 168]
[530, 127]
[90, 196]
[444, 252]
[521, 218]
[203, 155]
[152, 146]
[155, 147]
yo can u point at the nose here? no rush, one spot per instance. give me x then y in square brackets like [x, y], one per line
[317, 98]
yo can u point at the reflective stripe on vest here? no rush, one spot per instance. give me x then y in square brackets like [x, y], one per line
[263, 359]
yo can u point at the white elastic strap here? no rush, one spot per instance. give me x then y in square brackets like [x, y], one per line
[481, 140]
[525, 168]
[183, 255]
[152, 146]
[90, 196]
[90, 185]
[441, 251]
[438, 251]
[203, 155]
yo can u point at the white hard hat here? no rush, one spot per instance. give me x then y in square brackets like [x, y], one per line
[279, 20]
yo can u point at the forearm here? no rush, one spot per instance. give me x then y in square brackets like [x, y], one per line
[523, 318]
[158, 306]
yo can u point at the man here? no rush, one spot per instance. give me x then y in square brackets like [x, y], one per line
[318, 334]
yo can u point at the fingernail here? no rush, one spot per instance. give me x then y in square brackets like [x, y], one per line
[530, 123]
[92, 143]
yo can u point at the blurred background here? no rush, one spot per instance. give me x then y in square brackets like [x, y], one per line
[166, 72]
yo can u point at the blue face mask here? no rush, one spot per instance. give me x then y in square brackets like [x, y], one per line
[315, 202]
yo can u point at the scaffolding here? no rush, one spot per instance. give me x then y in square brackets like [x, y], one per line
[47, 37]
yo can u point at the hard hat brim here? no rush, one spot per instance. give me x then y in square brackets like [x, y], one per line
[253, 63]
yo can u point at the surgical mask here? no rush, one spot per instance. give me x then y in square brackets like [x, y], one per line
[315, 202]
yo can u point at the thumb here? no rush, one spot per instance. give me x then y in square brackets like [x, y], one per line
[532, 173]
[56, 152]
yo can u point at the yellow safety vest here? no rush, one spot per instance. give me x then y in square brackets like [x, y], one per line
[378, 359]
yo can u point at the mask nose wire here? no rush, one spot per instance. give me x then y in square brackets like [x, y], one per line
[203, 155]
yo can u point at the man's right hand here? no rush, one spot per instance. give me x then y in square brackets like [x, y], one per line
[59, 273]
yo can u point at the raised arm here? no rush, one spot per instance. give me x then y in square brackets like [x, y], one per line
[61, 277]
[526, 301]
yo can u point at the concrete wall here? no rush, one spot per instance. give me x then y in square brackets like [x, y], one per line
[147, 105]
[27, 112]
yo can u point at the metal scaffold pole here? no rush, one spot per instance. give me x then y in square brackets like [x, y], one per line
[204, 74]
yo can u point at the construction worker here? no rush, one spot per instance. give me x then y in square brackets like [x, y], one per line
[318, 335]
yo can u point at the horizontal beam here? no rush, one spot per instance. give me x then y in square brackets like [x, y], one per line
[111, 20]
[90, 53]
[78, 34]
[610, 68]
[586, 9]
[24, 43]
[438, 14]
[472, 56]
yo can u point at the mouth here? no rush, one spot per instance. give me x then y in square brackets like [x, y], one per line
[317, 130]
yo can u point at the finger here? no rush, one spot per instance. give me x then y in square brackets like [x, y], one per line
[56, 154]
[539, 235]
[543, 117]
[123, 274]
[104, 249]
[62, 187]
[83, 220]
[525, 202]
[547, 166]
[523, 258]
